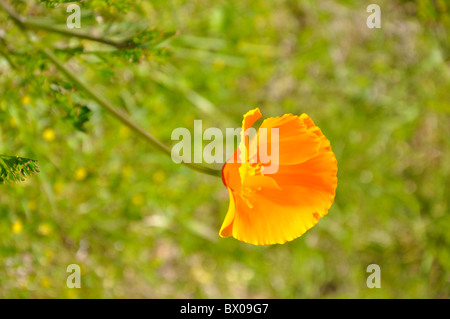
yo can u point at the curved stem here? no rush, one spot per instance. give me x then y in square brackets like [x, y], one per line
[34, 25]
[12, 14]
[121, 116]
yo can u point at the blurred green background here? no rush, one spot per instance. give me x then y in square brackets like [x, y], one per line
[140, 226]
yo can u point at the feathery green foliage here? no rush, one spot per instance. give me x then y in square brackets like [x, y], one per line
[14, 169]
[108, 5]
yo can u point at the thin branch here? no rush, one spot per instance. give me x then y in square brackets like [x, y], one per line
[122, 117]
[4, 50]
[34, 25]
[12, 14]
[119, 114]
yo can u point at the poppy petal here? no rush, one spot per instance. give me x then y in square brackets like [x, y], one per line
[249, 119]
[269, 222]
[318, 172]
[227, 226]
[296, 142]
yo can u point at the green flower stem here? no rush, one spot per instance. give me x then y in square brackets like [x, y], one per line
[12, 14]
[5, 53]
[34, 25]
[121, 116]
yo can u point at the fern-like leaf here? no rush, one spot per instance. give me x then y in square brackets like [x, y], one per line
[14, 169]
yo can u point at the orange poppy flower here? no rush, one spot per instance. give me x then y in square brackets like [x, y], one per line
[274, 208]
